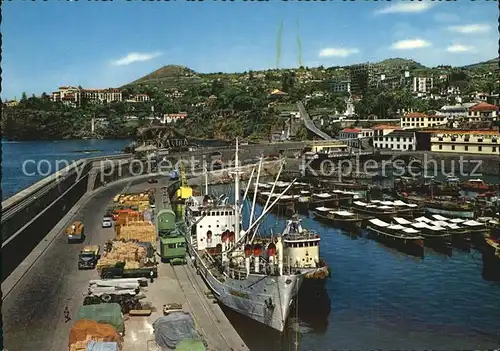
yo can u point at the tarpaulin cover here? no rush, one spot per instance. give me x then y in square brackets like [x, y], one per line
[102, 346]
[110, 313]
[84, 327]
[190, 345]
[171, 329]
[150, 251]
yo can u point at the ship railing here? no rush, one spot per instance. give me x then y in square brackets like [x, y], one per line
[308, 235]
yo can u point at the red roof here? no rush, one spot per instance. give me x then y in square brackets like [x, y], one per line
[416, 114]
[483, 106]
[351, 130]
[385, 126]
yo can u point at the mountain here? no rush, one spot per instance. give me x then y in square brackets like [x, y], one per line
[393, 64]
[490, 65]
[171, 76]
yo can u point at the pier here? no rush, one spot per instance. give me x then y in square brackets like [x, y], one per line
[48, 282]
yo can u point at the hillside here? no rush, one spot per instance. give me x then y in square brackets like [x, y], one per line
[489, 65]
[393, 64]
[167, 77]
[180, 77]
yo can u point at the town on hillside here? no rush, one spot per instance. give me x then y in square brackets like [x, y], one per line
[395, 104]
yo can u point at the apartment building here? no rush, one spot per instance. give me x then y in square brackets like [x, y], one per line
[341, 86]
[481, 142]
[422, 84]
[398, 140]
[421, 120]
[482, 112]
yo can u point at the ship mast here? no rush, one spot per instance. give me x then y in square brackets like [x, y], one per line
[237, 193]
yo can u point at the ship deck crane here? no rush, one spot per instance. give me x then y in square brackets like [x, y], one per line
[185, 191]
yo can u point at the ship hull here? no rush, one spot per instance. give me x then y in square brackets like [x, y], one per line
[264, 298]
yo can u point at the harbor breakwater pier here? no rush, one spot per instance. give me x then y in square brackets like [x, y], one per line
[29, 215]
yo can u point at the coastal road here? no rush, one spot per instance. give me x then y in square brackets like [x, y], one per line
[34, 311]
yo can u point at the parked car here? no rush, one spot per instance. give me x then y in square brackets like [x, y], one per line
[107, 222]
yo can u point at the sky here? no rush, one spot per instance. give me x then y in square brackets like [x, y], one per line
[98, 44]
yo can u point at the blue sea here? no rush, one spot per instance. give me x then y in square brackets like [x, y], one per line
[48, 156]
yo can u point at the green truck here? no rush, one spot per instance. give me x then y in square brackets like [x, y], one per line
[172, 241]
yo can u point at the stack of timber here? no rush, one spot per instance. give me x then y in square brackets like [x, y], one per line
[132, 254]
[137, 230]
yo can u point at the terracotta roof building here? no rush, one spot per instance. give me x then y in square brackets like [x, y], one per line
[483, 112]
[421, 120]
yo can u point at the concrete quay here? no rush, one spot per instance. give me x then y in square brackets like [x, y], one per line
[48, 281]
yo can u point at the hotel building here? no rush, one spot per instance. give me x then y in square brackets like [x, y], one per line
[73, 96]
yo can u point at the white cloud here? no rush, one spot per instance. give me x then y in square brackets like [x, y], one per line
[405, 7]
[410, 44]
[135, 57]
[446, 17]
[457, 48]
[338, 52]
[470, 28]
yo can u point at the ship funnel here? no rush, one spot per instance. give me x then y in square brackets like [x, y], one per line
[257, 251]
[248, 250]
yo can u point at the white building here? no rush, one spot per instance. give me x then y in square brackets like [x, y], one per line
[353, 136]
[73, 96]
[455, 111]
[173, 117]
[139, 98]
[421, 120]
[422, 84]
[482, 112]
[398, 140]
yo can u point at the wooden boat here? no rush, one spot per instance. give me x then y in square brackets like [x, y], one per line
[323, 199]
[339, 218]
[460, 235]
[436, 237]
[477, 185]
[405, 239]
[402, 208]
[493, 224]
[478, 231]
[491, 259]
[373, 210]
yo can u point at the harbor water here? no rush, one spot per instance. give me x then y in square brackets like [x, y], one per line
[49, 156]
[378, 298]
